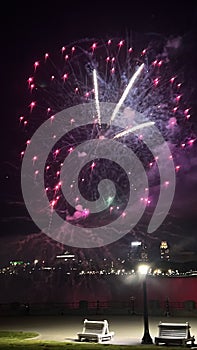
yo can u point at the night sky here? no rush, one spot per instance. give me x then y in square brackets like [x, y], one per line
[30, 30]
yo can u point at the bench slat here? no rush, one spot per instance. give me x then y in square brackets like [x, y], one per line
[174, 333]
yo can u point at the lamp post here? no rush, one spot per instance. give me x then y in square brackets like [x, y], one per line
[132, 306]
[143, 269]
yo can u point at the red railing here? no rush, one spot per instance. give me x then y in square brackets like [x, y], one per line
[125, 307]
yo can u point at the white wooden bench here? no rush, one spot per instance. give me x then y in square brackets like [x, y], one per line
[174, 333]
[95, 331]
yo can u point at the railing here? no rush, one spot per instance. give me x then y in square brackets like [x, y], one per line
[98, 307]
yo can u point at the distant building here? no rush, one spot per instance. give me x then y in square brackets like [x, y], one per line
[164, 251]
[138, 252]
[65, 256]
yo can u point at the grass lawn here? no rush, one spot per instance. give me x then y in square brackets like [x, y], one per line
[5, 335]
[22, 341]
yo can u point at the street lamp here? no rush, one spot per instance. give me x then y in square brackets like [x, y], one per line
[143, 270]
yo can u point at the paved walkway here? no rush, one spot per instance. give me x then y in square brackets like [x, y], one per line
[128, 329]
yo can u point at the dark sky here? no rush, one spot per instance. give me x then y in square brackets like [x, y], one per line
[29, 29]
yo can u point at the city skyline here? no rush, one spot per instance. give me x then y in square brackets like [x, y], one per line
[71, 264]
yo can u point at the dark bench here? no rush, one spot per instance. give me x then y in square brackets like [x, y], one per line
[174, 333]
[95, 331]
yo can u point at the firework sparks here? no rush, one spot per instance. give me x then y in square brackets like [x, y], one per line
[126, 91]
[96, 96]
[145, 93]
[134, 128]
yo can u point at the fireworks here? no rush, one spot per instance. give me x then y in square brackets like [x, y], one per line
[148, 98]
[103, 70]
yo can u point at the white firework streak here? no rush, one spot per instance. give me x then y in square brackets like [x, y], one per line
[126, 91]
[96, 96]
[134, 128]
